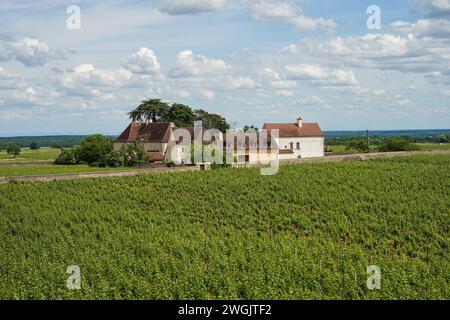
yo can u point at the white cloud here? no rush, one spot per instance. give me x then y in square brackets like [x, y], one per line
[31, 52]
[86, 80]
[378, 51]
[190, 65]
[321, 76]
[206, 94]
[143, 62]
[285, 93]
[178, 7]
[312, 101]
[439, 28]
[267, 10]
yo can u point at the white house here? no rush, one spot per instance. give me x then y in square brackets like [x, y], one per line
[298, 140]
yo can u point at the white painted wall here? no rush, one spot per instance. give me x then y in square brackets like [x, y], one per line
[310, 147]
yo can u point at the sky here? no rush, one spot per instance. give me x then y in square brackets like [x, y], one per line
[253, 61]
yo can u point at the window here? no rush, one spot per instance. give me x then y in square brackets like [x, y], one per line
[292, 146]
[298, 145]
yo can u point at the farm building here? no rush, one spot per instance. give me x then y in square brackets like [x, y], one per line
[298, 140]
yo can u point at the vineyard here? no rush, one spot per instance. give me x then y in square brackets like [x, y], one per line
[309, 232]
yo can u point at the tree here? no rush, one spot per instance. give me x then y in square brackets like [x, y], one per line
[211, 120]
[13, 149]
[152, 109]
[67, 156]
[357, 144]
[397, 144]
[442, 138]
[34, 146]
[94, 148]
[181, 115]
[251, 128]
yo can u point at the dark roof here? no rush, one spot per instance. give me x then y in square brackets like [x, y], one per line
[291, 130]
[155, 132]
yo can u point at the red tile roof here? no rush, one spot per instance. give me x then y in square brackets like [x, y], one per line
[285, 151]
[156, 132]
[291, 130]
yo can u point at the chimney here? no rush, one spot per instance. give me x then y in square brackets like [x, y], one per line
[299, 122]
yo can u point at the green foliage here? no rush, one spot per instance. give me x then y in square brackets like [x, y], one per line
[34, 146]
[181, 115]
[397, 144]
[212, 121]
[132, 154]
[67, 157]
[114, 159]
[308, 232]
[152, 109]
[357, 144]
[251, 128]
[28, 170]
[94, 148]
[13, 149]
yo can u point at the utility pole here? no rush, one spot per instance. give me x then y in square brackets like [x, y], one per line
[367, 139]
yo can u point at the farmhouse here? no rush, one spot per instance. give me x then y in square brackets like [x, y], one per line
[295, 140]
[298, 140]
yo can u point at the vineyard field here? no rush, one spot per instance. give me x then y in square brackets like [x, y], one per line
[309, 232]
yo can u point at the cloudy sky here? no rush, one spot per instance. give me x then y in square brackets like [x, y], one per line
[253, 61]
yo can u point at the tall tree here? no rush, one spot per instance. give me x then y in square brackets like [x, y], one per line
[152, 109]
[181, 115]
[211, 120]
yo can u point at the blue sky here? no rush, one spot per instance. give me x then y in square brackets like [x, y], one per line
[253, 61]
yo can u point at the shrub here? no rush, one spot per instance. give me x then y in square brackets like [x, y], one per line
[358, 144]
[67, 156]
[114, 159]
[132, 154]
[397, 144]
[94, 148]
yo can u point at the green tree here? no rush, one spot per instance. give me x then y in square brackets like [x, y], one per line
[251, 128]
[34, 146]
[94, 148]
[442, 138]
[211, 120]
[13, 149]
[357, 144]
[67, 156]
[114, 159]
[397, 144]
[181, 115]
[152, 109]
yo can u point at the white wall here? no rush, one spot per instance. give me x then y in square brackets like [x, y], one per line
[310, 147]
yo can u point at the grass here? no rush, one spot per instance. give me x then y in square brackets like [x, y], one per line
[308, 232]
[28, 170]
[44, 154]
[423, 146]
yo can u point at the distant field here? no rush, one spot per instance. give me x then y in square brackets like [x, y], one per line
[309, 232]
[51, 169]
[43, 154]
[423, 146]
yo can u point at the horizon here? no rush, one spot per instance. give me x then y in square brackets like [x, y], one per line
[117, 134]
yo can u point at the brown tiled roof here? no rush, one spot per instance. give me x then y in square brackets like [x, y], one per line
[291, 130]
[156, 132]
